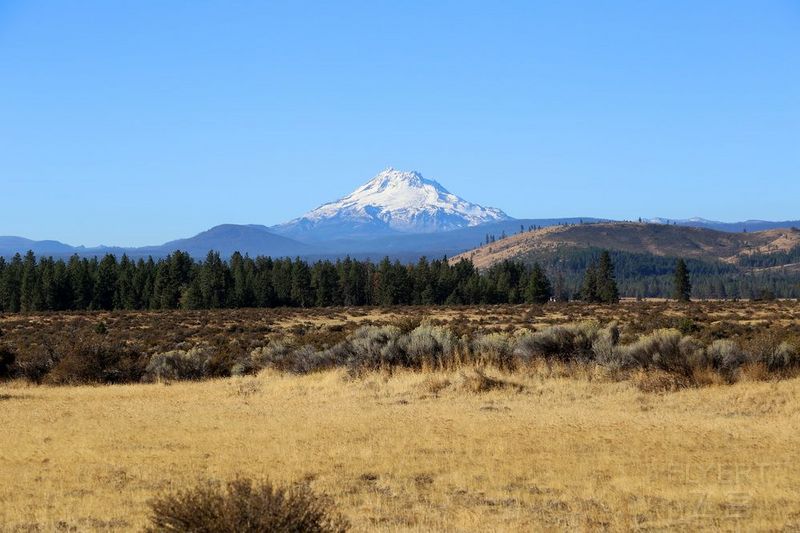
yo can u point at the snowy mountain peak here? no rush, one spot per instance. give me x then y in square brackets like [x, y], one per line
[391, 179]
[393, 201]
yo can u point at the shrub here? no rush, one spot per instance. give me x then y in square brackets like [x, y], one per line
[7, 359]
[430, 346]
[35, 364]
[494, 349]
[245, 507]
[87, 362]
[274, 355]
[371, 347]
[179, 364]
[782, 357]
[566, 343]
[604, 344]
[306, 360]
[727, 357]
[284, 358]
[664, 349]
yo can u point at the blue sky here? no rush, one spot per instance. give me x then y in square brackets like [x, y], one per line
[136, 122]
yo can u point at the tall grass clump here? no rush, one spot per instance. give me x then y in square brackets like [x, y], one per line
[245, 507]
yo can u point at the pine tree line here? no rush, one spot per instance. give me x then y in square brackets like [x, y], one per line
[178, 281]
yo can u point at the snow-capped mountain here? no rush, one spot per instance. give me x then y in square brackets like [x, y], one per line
[394, 201]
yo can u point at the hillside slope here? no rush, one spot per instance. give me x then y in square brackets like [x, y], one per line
[656, 239]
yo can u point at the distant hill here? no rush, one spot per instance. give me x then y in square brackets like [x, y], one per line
[734, 227]
[260, 240]
[655, 239]
[11, 245]
[229, 238]
[225, 239]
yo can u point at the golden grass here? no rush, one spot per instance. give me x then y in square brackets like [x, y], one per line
[414, 451]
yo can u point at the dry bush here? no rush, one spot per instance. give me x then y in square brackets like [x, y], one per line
[435, 384]
[604, 345]
[370, 348]
[564, 342]
[664, 349]
[276, 354]
[661, 381]
[781, 357]
[495, 349]
[476, 381]
[754, 372]
[283, 357]
[245, 507]
[7, 359]
[188, 364]
[727, 357]
[88, 363]
[430, 346]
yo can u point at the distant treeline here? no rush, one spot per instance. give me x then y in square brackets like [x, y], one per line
[178, 281]
[641, 275]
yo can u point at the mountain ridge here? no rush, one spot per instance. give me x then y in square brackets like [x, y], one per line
[397, 213]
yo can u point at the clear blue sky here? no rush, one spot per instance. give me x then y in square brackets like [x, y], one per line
[136, 122]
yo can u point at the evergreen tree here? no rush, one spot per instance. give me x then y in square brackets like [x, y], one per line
[539, 289]
[81, 282]
[607, 291]
[12, 284]
[324, 280]
[125, 294]
[263, 289]
[682, 288]
[214, 282]
[589, 286]
[242, 273]
[105, 285]
[302, 292]
[28, 290]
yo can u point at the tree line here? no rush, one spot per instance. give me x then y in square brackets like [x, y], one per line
[179, 281]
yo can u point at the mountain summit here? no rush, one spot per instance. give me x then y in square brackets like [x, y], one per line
[394, 201]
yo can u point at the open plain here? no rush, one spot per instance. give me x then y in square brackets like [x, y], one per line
[546, 446]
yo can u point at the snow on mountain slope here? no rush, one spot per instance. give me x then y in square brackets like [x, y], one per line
[393, 201]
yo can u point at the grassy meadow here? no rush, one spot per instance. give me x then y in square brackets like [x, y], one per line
[550, 445]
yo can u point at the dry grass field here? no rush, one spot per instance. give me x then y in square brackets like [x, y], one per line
[413, 451]
[551, 446]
